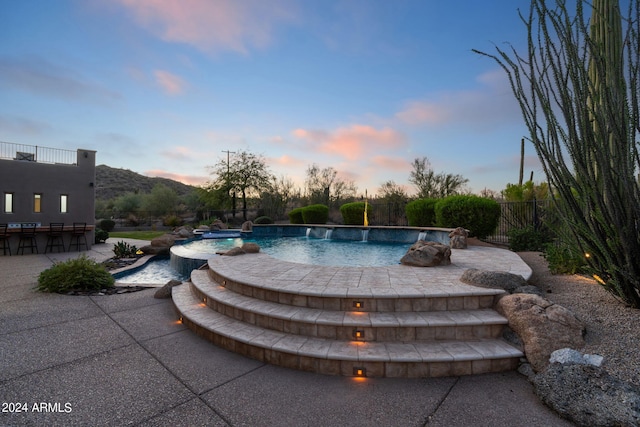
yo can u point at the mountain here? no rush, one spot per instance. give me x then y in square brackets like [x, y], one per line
[112, 182]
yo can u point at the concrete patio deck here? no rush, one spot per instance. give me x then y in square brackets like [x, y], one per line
[124, 360]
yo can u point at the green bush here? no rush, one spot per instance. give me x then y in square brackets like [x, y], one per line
[124, 250]
[100, 235]
[263, 220]
[315, 214]
[107, 225]
[528, 239]
[81, 273]
[563, 259]
[172, 221]
[421, 212]
[295, 216]
[353, 213]
[479, 215]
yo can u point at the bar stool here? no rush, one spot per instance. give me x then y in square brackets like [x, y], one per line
[27, 239]
[54, 237]
[78, 232]
[4, 238]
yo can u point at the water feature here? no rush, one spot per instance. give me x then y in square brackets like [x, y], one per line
[308, 232]
[327, 234]
[422, 235]
[365, 235]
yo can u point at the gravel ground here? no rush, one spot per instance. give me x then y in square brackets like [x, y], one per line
[613, 329]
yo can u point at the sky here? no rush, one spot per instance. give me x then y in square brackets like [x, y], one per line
[165, 87]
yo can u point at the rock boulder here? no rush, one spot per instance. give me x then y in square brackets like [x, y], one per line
[541, 325]
[165, 291]
[427, 254]
[493, 279]
[458, 238]
[588, 395]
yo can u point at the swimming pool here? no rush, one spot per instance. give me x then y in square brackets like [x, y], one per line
[306, 250]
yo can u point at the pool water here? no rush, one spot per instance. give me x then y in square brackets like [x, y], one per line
[306, 250]
[155, 271]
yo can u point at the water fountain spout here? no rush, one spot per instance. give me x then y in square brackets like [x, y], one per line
[327, 234]
[422, 235]
[308, 232]
[365, 235]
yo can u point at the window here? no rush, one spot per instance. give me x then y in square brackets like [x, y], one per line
[63, 203]
[37, 203]
[8, 202]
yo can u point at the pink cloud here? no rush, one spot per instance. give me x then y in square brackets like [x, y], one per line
[170, 83]
[212, 26]
[352, 142]
[185, 179]
[287, 160]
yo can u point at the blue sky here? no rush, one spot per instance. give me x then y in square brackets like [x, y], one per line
[364, 86]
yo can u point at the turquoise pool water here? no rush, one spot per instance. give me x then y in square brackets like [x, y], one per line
[314, 251]
[154, 271]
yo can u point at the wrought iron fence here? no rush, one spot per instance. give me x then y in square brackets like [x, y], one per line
[519, 215]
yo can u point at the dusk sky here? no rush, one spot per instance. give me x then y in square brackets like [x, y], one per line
[364, 86]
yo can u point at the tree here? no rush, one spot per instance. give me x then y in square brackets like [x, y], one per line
[578, 89]
[277, 198]
[434, 185]
[161, 201]
[324, 186]
[244, 172]
[391, 192]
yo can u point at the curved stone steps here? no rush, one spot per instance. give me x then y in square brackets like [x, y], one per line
[375, 326]
[343, 357]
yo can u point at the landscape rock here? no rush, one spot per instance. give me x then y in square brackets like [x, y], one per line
[165, 291]
[588, 395]
[160, 245]
[571, 356]
[232, 252]
[251, 248]
[218, 225]
[542, 326]
[427, 254]
[529, 289]
[493, 279]
[247, 226]
[458, 238]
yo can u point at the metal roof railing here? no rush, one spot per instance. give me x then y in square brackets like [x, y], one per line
[34, 153]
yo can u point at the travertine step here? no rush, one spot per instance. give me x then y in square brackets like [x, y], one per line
[333, 324]
[344, 357]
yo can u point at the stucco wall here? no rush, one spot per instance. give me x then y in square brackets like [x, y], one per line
[26, 178]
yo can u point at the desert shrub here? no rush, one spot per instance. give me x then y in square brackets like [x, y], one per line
[295, 216]
[421, 212]
[263, 220]
[564, 259]
[528, 239]
[100, 235]
[353, 213]
[107, 225]
[315, 214]
[479, 215]
[172, 221]
[81, 273]
[124, 250]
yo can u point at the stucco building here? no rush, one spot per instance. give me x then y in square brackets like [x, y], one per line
[41, 185]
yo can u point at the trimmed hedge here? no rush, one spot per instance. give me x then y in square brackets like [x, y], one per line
[421, 212]
[295, 216]
[479, 215]
[315, 214]
[353, 213]
[107, 225]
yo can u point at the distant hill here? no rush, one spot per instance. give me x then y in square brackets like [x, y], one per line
[112, 182]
